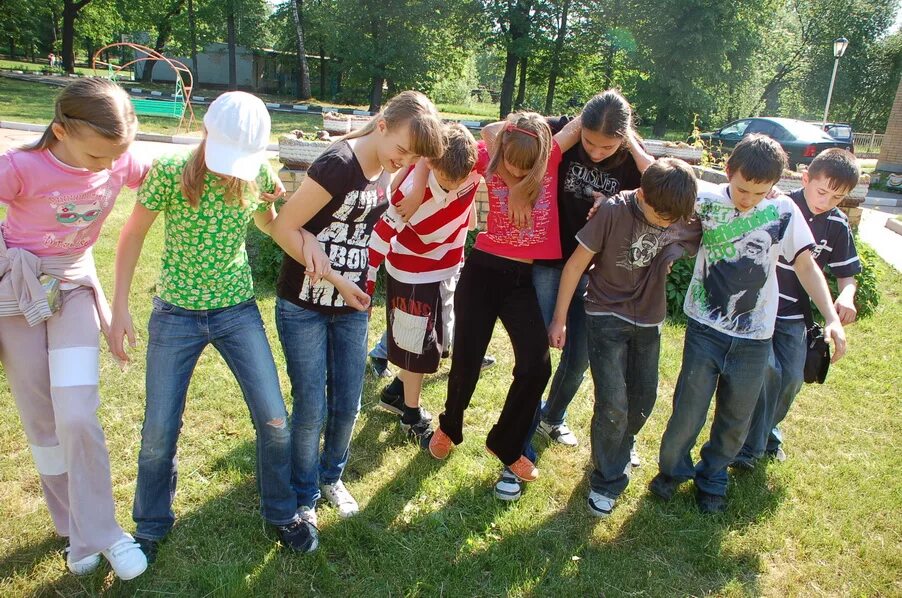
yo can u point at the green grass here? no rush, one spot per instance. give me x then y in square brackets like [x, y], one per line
[826, 522]
[41, 66]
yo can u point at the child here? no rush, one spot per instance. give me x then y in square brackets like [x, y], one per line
[58, 193]
[732, 303]
[422, 259]
[323, 333]
[608, 160]
[206, 296]
[497, 283]
[829, 178]
[631, 241]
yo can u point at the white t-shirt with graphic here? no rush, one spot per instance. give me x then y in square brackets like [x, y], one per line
[734, 285]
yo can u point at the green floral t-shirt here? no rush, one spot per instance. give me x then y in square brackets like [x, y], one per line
[204, 260]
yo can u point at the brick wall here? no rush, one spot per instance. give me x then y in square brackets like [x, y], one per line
[890, 159]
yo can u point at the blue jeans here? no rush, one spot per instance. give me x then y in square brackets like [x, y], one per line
[380, 350]
[624, 360]
[326, 357]
[575, 356]
[734, 368]
[783, 381]
[177, 337]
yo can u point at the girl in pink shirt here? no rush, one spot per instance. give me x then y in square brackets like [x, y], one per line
[519, 155]
[58, 192]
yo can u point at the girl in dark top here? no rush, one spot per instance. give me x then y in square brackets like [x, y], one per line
[322, 327]
[609, 159]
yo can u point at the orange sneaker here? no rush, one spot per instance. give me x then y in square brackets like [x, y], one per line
[440, 444]
[523, 468]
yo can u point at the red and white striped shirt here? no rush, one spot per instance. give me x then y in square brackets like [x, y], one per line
[430, 246]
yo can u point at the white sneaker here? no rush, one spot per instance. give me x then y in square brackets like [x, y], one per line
[126, 558]
[84, 566]
[508, 487]
[600, 505]
[308, 514]
[558, 433]
[339, 497]
[635, 460]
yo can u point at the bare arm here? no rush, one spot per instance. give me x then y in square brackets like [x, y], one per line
[845, 302]
[570, 134]
[128, 250]
[642, 158]
[815, 285]
[573, 270]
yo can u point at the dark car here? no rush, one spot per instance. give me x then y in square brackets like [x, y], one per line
[800, 140]
[841, 132]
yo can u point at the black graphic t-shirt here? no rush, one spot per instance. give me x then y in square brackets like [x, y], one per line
[578, 178]
[632, 260]
[833, 246]
[343, 227]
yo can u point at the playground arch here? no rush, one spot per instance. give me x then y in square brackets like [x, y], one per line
[177, 107]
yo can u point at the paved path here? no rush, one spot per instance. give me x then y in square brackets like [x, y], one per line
[12, 138]
[885, 242]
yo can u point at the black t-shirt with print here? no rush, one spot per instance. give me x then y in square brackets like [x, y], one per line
[833, 247]
[343, 227]
[578, 178]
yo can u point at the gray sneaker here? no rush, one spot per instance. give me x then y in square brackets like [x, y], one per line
[558, 433]
[600, 505]
[508, 487]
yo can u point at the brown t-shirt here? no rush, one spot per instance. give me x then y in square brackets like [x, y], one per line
[343, 227]
[628, 276]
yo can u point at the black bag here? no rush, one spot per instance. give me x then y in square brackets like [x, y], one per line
[817, 355]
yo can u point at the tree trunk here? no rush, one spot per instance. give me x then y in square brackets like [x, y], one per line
[164, 30]
[376, 95]
[230, 27]
[70, 13]
[192, 33]
[660, 126]
[12, 48]
[507, 83]
[303, 77]
[521, 88]
[322, 72]
[556, 57]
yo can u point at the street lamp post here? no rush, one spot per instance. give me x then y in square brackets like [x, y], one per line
[839, 48]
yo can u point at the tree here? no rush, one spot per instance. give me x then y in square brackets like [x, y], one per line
[163, 22]
[556, 55]
[303, 78]
[513, 20]
[71, 8]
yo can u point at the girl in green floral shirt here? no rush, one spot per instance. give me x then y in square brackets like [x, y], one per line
[206, 296]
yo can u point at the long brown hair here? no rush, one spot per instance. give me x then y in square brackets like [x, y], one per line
[419, 114]
[95, 104]
[194, 177]
[526, 144]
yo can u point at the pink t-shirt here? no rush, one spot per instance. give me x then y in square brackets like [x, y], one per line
[54, 208]
[502, 238]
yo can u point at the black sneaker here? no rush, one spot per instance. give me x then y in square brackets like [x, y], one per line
[149, 548]
[663, 486]
[392, 397]
[380, 367]
[418, 430]
[299, 535]
[710, 504]
[743, 464]
[487, 362]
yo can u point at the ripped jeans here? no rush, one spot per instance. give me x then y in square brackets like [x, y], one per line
[177, 337]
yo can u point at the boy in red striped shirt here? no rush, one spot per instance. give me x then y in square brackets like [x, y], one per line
[422, 257]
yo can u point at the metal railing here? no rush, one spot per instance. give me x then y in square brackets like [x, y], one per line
[867, 145]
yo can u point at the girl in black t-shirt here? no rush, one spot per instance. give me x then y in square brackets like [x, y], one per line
[322, 327]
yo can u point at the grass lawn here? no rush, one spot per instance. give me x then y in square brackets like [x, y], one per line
[826, 522]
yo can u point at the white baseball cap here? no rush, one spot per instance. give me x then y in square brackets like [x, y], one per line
[238, 127]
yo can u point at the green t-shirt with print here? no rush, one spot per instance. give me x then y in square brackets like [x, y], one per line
[204, 260]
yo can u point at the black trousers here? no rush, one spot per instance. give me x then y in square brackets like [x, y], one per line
[490, 288]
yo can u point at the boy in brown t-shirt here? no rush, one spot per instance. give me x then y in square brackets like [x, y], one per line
[632, 240]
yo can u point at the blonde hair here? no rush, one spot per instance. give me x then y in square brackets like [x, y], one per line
[460, 153]
[415, 110]
[194, 176]
[94, 104]
[526, 144]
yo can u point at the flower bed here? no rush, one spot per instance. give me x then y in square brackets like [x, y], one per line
[298, 152]
[342, 124]
[684, 151]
